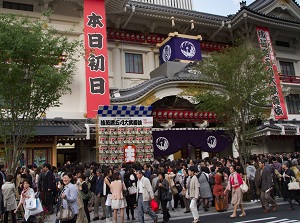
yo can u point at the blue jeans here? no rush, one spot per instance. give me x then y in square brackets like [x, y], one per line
[143, 207]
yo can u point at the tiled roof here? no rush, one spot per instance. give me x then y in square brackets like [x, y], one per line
[175, 11]
[77, 125]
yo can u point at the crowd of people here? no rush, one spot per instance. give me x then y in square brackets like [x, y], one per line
[186, 183]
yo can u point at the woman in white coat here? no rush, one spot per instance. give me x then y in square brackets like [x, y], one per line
[27, 193]
[9, 198]
[193, 193]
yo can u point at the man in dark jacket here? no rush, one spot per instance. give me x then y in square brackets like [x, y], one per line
[266, 187]
[99, 197]
[47, 187]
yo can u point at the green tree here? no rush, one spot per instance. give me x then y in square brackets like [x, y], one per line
[236, 91]
[33, 78]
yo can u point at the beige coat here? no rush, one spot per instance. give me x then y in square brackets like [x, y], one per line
[193, 188]
[147, 189]
[9, 196]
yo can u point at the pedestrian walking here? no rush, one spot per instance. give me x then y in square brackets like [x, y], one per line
[193, 193]
[266, 187]
[162, 187]
[9, 198]
[144, 195]
[234, 183]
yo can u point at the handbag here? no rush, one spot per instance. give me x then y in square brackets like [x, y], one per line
[174, 190]
[65, 214]
[244, 187]
[293, 185]
[166, 196]
[39, 208]
[154, 205]
[132, 190]
[125, 193]
[30, 203]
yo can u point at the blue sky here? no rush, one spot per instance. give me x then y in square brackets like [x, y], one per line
[219, 7]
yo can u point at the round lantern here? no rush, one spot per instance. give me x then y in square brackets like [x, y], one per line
[132, 37]
[191, 114]
[159, 114]
[200, 115]
[170, 114]
[127, 36]
[137, 37]
[117, 35]
[158, 39]
[205, 115]
[148, 38]
[210, 115]
[122, 35]
[154, 114]
[165, 114]
[186, 115]
[142, 38]
[112, 35]
[180, 115]
[195, 115]
[175, 115]
[153, 39]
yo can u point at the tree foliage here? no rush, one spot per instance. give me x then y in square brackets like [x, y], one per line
[31, 78]
[239, 94]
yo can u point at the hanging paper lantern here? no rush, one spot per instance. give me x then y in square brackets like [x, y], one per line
[165, 114]
[143, 38]
[127, 36]
[180, 114]
[154, 114]
[122, 35]
[153, 39]
[195, 115]
[117, 35]
[175, 115]
[132, 37]
[112, 35]
[191, 114]
[148, 39]
[158, 39]
[170, 114]
[137, 37]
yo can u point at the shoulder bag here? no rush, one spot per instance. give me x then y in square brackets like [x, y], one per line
[166, 196]
[65, 214]
[244, 187]
[293, 184]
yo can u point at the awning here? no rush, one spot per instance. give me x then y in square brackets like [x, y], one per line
[63, 130]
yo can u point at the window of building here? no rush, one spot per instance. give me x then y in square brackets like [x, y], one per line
[287, 68]
[17, 6]
[282, 43]
[134, 63]
[293, 103]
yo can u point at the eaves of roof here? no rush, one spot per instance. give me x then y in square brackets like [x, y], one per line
[283, 21]
[263, 3]
[147, 86]
[167, 12]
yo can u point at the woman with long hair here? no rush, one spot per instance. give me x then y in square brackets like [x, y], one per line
[106, 191]
[118, 200]
[163, 187]
[221, 200]
[234, 183]
[130, 181]
[18, 181]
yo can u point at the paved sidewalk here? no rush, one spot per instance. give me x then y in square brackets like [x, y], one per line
[178, 213]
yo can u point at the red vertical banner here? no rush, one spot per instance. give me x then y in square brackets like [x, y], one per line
[96, 65]
[277, 97]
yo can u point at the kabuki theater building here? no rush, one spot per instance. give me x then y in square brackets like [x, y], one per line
[127, 102]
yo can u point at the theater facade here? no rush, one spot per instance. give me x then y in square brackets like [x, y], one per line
[136, 76]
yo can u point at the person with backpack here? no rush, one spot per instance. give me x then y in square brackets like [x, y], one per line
[250, 170]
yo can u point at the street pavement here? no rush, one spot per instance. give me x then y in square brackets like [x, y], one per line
[254, 214]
